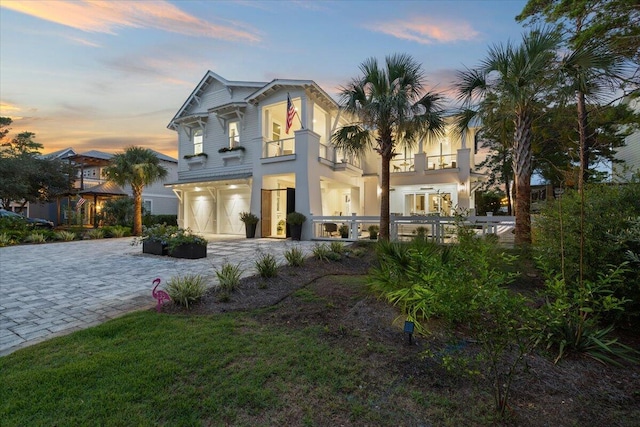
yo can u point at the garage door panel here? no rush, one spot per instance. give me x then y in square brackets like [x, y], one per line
[231, 204]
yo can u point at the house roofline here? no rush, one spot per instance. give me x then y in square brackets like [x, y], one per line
[203, 84]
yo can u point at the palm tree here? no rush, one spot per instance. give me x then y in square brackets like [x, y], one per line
[138, 167]
[391, 109]
[516, 77]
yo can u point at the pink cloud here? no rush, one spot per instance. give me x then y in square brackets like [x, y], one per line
[426, 30]
[108, 16]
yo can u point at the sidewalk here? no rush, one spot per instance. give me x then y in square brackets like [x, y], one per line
[56, 288]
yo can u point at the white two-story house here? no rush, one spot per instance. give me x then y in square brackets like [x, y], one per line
[235, 155]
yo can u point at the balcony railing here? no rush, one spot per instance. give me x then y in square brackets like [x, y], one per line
[281, 147]
[337, 156]
[444, 161]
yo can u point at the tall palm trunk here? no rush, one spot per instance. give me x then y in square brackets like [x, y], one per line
[522, 167]
[137, 209]
[584, 143]
[384, 198]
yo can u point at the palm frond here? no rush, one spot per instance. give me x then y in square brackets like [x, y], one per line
[352, 139]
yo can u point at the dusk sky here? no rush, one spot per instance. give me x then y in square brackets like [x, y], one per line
[96, 75]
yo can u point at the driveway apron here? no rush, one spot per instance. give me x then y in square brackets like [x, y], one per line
[56, 288]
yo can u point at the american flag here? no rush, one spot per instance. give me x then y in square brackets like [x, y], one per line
[80, 202]
[291, 111]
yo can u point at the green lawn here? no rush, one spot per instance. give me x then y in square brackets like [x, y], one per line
[147, 368]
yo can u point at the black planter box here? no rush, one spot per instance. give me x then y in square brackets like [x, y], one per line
[189, 251]
[154, 248]
[296, 231]
[250, 230]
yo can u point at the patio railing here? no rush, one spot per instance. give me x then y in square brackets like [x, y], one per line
[440, 229]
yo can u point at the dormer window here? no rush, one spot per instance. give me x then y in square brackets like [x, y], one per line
[198, 140]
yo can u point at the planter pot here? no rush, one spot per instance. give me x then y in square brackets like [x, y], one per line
[154, 248]
[250, 230]
[344, 236]
[296, 231]
[373, 237]
[189, 251]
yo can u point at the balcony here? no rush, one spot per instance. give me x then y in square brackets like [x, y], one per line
[339, 161]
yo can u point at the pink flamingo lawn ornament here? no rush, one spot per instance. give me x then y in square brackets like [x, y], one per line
[160, 295]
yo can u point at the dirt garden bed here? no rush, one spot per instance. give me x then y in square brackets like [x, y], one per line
[417, 389]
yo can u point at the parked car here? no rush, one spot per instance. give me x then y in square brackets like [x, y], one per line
[34, 222]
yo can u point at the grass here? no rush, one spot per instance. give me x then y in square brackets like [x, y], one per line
[149, 369]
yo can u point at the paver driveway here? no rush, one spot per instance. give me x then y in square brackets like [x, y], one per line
[56, 288]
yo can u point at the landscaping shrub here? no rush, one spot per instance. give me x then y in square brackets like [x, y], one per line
[5, 239]
[294, 256]
[267, 266]
[611, 236]
[95, 233]
[117, 231]
[321, 251]
[229, 277]
[65, 236]
[150, 220]
[36, 237]
[187, 289]
[337, 247]
[118, 212]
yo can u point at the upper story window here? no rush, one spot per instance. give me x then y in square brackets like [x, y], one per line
[276, 131]
[234, 134]
[198, 140]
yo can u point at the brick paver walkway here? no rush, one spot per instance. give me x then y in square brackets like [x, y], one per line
[56, 288]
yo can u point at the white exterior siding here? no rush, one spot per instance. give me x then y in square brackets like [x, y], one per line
[216, 188]
[630, 153]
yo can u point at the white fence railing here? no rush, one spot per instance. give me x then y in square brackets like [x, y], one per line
[437, 228]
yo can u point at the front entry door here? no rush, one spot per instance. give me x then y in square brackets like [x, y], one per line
[265, 215]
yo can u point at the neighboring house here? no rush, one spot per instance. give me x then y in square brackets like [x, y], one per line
[91, 184]
[235, 155]
[630, 152]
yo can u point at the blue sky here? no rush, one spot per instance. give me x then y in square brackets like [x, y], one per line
[106, 75]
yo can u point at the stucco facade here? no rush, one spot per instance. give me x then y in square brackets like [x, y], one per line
[235, 155]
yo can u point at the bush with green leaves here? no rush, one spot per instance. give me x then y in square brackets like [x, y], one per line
[117, 231]
[36, 237]
[294, 257]
[5, 239]
[118, 212]
[337, 248]
[611, 236]
[462, 285]
[187, 289]
[266, 266]
[229, 276]
[321, 251]
[573, 318]
[96, 233]
[65, 236]
[429, 281]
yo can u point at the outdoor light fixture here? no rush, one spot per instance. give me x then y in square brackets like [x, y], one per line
[408, 329]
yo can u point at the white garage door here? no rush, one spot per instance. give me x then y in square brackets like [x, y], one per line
[232, 202]
[200, 218]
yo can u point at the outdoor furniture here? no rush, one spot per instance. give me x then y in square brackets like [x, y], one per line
[330, 228]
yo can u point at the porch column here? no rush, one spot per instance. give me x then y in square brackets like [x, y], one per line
[308, 192]
[464, 178]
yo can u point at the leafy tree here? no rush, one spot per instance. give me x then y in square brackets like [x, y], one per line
[600, 35]
[5, 122]
[137, 167]
[391, 110]
[26, 176]
[513, 79]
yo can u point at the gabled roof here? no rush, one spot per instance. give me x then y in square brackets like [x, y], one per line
[60, 154]
[206, 81]
[101, 155]
[278, 84]
[105, 189]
